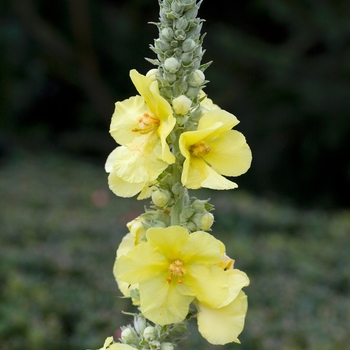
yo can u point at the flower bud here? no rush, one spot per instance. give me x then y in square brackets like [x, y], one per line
[160, 198]
[139, 324]
[162, 45]
[149, 333]
[152, 74]
[192, 13]
[137, 228]
[198, 205]
[196, 79]
[167, 33]
[169, 77]
[188, 45]
[191, 226]
[186, 58]
[172, 65]
[176, 7]
[181, 23]
[204, 221]
[167, 346]
[181, 104]
[192, 91]
[129, 336]
[180, 34]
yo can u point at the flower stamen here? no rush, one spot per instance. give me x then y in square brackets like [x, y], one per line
[147, 123]
[176, 270]
[200, 149]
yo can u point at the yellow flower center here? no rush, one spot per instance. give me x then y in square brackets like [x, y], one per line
[200, 149]
[176, 270]
[147, 123]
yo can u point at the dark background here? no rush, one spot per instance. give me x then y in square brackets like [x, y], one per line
[281, 66]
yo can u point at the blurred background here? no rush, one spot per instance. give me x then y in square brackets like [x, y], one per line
[281, 66]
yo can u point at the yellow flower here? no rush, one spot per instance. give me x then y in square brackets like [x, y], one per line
[140, 125]
[222, 325]
[214, 150]
[128, 243]
[172, 268]
[110, 345]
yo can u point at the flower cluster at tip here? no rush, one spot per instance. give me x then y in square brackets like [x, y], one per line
[172, 138]
[145, 126]
[172, 269]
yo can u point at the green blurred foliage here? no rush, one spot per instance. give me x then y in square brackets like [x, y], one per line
[60, 226]
[281, 66]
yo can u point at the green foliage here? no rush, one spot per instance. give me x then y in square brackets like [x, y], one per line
[60, 227]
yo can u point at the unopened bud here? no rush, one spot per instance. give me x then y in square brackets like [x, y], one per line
[172, 65]
[167, 33]
[181, 23]
[167, 346]
[129, 336]
[196, 79]
[139, 324]
[149, 333]
[204, 221]
[181, 104]
[188, 45]
[160, 198]
[152, 74]
[137, 229]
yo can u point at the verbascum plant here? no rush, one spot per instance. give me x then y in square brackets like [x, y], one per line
[172, 138]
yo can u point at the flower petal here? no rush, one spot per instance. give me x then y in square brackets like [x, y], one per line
[229, 155]
[197, 173]
[122, 188]
[227, 119]
[142, 84]
[209, 282]
[237, 280]
[125, 119]
[202, 247]
[125, 246]
[223, 325]
[163, 302]
[169, 241]
[142, 263]
[139, 162]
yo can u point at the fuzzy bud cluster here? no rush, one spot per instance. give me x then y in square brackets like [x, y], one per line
[143, 335]
[197, 216]
[179, 50]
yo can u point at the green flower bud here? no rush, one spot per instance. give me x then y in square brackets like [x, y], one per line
[188, 45]
[152, 74]
[180, 34]
[172, 65]
[186, 58]
[192, 91]
[196, 79]
[169, 77]
[129, 336]
[167, 33]
[192, 13]
[198, 205]
[176, 7]
[160, 198]
[181, 23]
[204, 221]
[140, 324]
[167, 346]
[149, 333]
[191, 226]
[181, 104]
